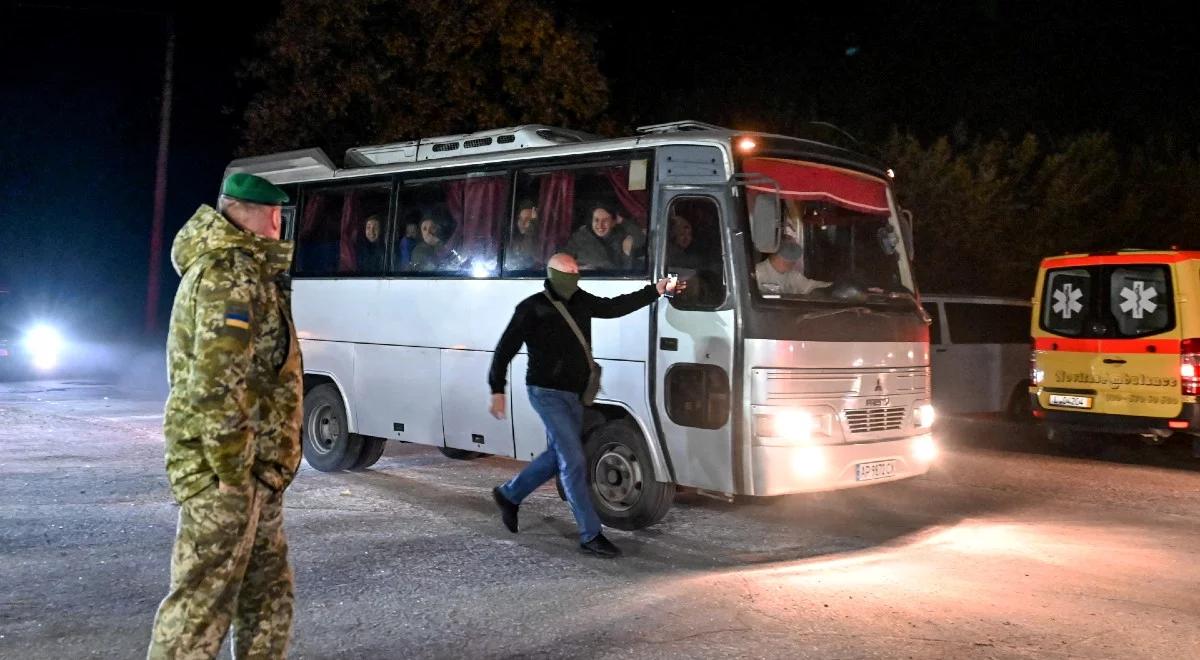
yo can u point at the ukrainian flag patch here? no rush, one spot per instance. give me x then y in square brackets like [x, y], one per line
[239, 319]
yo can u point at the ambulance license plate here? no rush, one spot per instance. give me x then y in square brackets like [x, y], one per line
[1069, 401]
[875, 470]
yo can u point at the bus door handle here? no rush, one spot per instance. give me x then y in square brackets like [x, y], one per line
[940, 350]
[668, 344]
[1113, 361]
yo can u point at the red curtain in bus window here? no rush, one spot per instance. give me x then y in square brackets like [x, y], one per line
[350, 230]
[809, 181]
[556, 203]
[634, 203]
[478, 206]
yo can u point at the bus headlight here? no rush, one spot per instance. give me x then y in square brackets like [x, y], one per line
[791, 426]
[924, 449]
[923, 415]
[44, 344]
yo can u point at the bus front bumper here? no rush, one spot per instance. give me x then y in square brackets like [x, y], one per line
[807, 469]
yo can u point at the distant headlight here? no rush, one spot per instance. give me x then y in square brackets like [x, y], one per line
[44, 344]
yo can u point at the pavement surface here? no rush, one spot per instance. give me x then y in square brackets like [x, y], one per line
[1005, 550]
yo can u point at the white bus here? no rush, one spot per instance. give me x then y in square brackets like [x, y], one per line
[410, 260]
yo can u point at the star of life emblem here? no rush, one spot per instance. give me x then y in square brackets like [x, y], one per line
[1138, 300]
[1066, 301]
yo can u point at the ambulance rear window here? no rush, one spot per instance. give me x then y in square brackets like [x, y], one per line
[1118, 301]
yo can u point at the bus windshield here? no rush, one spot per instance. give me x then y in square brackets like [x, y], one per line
[841, 240]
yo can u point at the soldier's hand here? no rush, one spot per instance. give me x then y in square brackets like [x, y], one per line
[226, 489]
[497, 408]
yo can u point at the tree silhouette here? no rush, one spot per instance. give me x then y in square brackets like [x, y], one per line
[341, 73]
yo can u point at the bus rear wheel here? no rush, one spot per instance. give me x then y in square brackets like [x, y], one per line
[624, 489]
[372, 450]
[326, 440]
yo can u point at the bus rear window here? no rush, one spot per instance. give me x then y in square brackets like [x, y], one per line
[1094, 302]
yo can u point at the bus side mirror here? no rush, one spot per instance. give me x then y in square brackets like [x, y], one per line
[906, 228]
[765, 225]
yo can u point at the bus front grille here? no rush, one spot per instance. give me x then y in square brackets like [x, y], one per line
[875, 419]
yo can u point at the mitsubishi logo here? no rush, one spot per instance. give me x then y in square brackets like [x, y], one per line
[878, 384]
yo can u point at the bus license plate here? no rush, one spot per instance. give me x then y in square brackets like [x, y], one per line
[876, 470]
[1068, 401]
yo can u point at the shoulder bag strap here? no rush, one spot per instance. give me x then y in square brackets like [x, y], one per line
[571, 322]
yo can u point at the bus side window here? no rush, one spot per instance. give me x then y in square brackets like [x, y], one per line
[342, 231]
[694, 252]
[451, 226]
[594, 212]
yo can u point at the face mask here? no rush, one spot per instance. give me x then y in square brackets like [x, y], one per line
[564, 284]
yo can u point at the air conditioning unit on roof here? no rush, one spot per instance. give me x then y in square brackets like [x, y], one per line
[467, 144]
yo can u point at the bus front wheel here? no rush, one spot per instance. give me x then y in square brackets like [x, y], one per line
[327, 442]
[624, 491]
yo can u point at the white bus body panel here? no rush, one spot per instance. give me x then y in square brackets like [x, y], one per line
[373, 336]
[842, 377]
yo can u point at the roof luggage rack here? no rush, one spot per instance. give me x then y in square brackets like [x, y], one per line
[680, 126]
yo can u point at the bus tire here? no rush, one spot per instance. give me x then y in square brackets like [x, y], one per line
[372, 450]
[459, 454]
[623, 488]
[326, 440]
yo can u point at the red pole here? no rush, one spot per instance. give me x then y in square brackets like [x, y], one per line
[160, 185]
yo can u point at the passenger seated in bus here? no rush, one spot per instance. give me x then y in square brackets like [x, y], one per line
[603, 244]
[681, 251]
[524, 248]
[369, 252]
[428, 254]
[412, 238]
[781, 272]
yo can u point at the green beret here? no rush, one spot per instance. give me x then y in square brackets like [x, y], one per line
[251, 188]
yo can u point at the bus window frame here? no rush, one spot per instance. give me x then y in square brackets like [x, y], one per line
[589, 161]
[666, 246]
[307, 189]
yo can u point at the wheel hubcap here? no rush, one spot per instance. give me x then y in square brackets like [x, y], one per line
[324, 429]
[617, 477]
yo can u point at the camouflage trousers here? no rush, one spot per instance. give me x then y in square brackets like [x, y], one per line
[229, 564]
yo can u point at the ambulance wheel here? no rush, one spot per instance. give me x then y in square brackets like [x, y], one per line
[623, 488]
[326, 440]
[459, 454]
[1020, 409]
[372, 450]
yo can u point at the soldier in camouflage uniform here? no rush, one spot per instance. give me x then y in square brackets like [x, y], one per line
[232, 427]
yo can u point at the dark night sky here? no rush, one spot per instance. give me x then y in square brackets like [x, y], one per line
[79, 100]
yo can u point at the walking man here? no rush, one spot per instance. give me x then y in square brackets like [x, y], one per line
[232, 427]
[559, 372]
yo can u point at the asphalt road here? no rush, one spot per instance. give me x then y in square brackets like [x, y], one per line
[1004, 551]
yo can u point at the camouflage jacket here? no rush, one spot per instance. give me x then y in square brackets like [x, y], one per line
[233, 361]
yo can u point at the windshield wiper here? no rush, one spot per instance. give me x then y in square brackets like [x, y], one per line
[833, 312]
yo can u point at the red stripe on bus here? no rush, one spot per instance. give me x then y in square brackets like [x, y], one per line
[1166, 346]
[1102, 259]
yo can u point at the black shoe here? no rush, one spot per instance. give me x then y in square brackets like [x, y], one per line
[601, 547]
[508, 510]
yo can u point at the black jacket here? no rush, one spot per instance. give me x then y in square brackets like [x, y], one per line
[556, 360]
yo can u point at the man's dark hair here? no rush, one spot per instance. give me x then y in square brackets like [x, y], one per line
[526, 204]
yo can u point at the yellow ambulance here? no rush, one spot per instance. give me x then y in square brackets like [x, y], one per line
[1116, 345]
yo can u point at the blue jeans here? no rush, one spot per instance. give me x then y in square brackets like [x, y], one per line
[562, 415]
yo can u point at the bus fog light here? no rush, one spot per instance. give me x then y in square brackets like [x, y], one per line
[924, 449]
[809, 461]
[923, 415]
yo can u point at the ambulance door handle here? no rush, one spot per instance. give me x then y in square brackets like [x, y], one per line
[1113, 361]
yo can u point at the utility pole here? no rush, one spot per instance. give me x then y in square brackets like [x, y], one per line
[160, 184]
